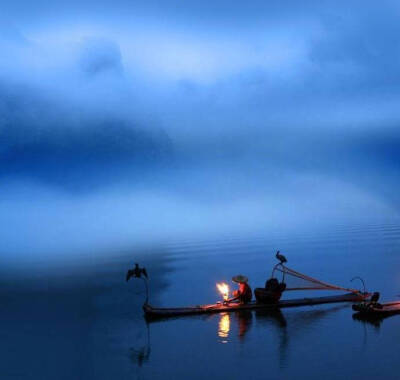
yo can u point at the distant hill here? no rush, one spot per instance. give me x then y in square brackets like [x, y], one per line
[73, 152]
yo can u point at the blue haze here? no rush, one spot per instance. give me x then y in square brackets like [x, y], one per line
[196, 138]
[175, 120]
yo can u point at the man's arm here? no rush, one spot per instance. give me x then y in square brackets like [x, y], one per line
[232, 299]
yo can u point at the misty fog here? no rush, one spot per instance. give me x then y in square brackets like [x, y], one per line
[121, 132]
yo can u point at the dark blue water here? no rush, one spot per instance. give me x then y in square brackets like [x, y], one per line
[88, 323]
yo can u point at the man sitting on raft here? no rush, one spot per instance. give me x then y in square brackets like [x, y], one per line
[243, 294]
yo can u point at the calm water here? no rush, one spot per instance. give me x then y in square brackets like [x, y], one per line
[88, 324]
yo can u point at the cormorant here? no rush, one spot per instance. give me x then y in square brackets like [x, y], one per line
[136, 272]
[280, 257]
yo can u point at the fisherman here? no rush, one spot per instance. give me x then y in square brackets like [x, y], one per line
[243, 294]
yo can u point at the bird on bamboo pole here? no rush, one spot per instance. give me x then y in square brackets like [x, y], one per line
[280, 257]
[137, 272]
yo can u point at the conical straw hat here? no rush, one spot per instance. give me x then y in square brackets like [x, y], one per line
[239, 278]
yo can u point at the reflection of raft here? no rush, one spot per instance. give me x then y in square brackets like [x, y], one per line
[376, 309]
[151, 311]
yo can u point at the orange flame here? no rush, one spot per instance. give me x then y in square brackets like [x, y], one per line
[223, 288]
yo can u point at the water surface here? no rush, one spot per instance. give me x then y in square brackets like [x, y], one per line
[89, 323]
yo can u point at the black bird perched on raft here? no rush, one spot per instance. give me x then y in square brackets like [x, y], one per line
[280, 257]
[136, 272]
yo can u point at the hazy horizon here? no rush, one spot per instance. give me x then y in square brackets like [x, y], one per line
[138, 122]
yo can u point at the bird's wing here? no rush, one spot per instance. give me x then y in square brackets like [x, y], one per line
[129, 274]
[145, 272]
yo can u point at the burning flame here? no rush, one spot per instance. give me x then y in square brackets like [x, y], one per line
[223, 288]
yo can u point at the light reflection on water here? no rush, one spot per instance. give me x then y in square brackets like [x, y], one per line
[224, 327]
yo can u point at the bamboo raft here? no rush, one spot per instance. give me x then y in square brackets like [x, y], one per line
[377, 310]
[154, 312]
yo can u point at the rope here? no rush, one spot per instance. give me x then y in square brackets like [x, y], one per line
[325, 285]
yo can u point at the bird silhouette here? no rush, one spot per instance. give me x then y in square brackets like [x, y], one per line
[280, 257]
[136, 272]
[375, 297]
